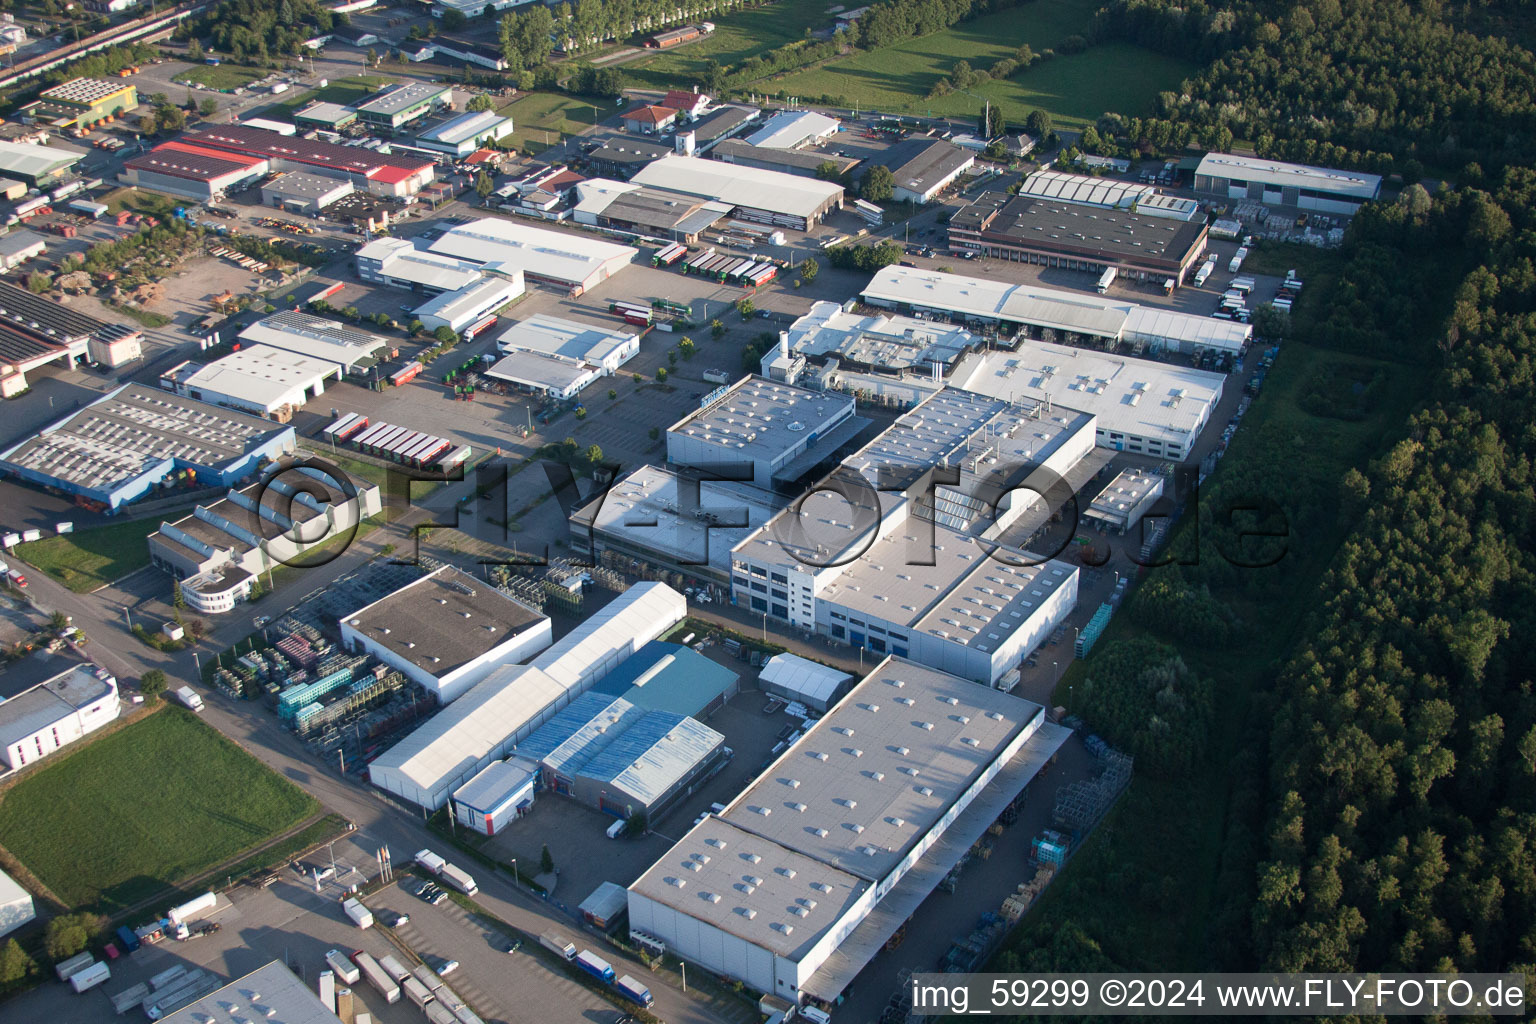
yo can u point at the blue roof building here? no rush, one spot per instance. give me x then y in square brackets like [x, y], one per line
[672, 678]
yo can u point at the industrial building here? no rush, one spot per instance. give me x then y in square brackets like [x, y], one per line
[446, 631]
[38, 166]
[1274, 183]
[461, 135]
[1126, 499]
[82, 103]
[397, 262]
[467, 306]
[623, 158]
[330, 116]
[193, 172]
[673, 678]
[594, 346]
[648, 120]
[272, 993]
[35, 331]
[807, 682]
[873, 558]
[922, 168]
[499, 794]
[260, 380]
[652, 212]
[472, 8]
[672, 518]
[301, 192]
[1048, 233]
[574, 262]
[803, 878]
[134, 439]
[1107, 194]
[806, 163]
[397, 105]
[619, 758]
[216, 553]
[890, 343]
[1069, 314]
[393, 176]
[764, 197]
[716, 126]
[19, 245]
[56, 713]
[16, 908]
[353, 350]
[511, 702]
[792, 129]
[764, 432]
[1141, 406]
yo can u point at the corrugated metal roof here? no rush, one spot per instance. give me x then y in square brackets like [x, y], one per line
[653, 754]
[672, 678]
[568, 740]
[606, 901]
[803, 677]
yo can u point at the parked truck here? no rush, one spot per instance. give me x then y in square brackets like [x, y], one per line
[89, 977]
[429, 860]
[559, 945]
[345, 969]
[376, 977]
[416, 992]
[1106, 279]
[73, 965]
[595, 965]
[189, 697]
[449, 873]
[394, 968]
[360, 915]
[632, 990]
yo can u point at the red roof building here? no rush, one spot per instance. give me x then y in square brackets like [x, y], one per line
[687, 104]
[395, 175]
[649, 119]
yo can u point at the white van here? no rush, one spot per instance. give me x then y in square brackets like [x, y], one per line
[617, 828]
[814, 1015]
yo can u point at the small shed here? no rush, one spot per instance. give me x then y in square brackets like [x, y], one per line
[501, 792]
[608, 903]
[794, 678]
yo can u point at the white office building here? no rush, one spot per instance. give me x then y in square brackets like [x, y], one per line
[56, 713]
[261, 380]
[571, 261]
[1276, 183]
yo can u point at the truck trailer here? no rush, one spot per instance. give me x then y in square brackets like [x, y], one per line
[459, 878]
[383, 983]
[345, 969]
[90, 977]
[632, 990]
[559, 945]
[595, 966]
[360, 915]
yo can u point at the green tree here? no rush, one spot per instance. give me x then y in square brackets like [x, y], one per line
[594, 454]
[195, 51]
[612, 394]
[446, 335]
[15, 965]
[661, 374]
[454, 20]
[879, 184]
[809, 269]
[208, 107]
[636, 824]
[484, 186]
[39, 282]
[716, 329]
[58, 621]
[415, 327]
[686, 348]
[655, 432]
[152, 683]
[1038, 124]
[69, 934]
[829, 171]
[991, 122]
[168, 118]
[546, 860]
[746, 307]
[480, 103]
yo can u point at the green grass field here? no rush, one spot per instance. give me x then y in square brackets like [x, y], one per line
[130, 815]
[1074, 89]
[542, 118]
[224, 77]
[737, 36]
[93, 558]
[346, 91]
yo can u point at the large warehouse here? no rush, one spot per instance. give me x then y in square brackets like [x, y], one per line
[597, 346]
[38, 166]
[1024, 229]
[890, 343]
[1093, 317]
[397, 262]
[511, 702]
[83, 102]
[397, 175]
[192, 172]
[764, 197]
[400, 103]
[261, 380]
[217, 552]
[132, 440]
[928, 577]
[922, 168]
[447, 631]
[351, 349]
[464, 307]
[1140, 405]
[576, 262]
[16, 908]
[461, 135]
[1108, 194]
[54, 714]
[1274, 183]
[656, 213]
[35, 331]
[763, 430]
[803, 878]
[791, 129]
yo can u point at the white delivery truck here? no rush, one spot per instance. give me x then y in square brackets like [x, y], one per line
[81, 961]
[345, 969]
[1106, 279]
[558, 944]
[360, 915]
[189, 697]
[458, 878]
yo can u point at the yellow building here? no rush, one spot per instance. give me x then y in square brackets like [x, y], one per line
[82, 103]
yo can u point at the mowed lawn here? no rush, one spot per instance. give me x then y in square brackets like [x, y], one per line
[1075, 90]
[125, 817]
[93, 558]
[737, 36]
[540, 116]
[345, 91]
[225, 77]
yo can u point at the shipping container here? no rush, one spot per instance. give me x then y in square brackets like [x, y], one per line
[464, 1015]
[406, 374]
[65, 191]
[558, 944]
[426, 456]
[595, 965]
[456, 457]
[327, 990]
[90, 209]
[437, 1013]
[427, 976]
[90, 977]
[631, 989]
[1106, 279]
[73, 965]
[365, 438]
[484, 324]
[344, 423]
[345, 969]
[383, 983]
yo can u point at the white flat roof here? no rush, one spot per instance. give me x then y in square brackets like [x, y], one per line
[789, 128]
[1087, 190]
[542, 370]
[1128, 395]
[463, 127]
[740, 185]
[1077, 312]
[538, 252]
[760, 418]
[316, 336]
[261, 374]
[487, 294]
[556, 336]
[891, 342]
[402, 261]
[643, 509]
[1351, 184]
